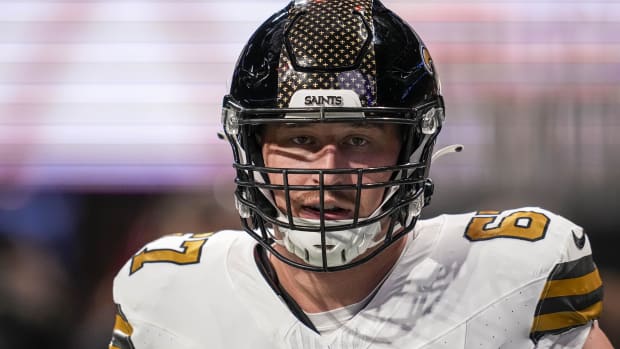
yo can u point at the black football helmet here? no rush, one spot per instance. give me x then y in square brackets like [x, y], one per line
[328, 61]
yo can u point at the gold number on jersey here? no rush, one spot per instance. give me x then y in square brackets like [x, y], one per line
[189, 255]
[525, 225]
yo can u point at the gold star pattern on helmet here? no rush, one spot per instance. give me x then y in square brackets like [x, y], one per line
[333, 41]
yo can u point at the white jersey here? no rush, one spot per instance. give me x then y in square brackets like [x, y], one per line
[515, 279]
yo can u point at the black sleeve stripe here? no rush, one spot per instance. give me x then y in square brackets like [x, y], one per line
[572, 297]
[118, 342]
[573, 269]
[570, 303]
[556, 323]
[572, 287]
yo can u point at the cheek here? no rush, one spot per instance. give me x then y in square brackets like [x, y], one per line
[275, 160]
[275, 178]
[271, 159]
[268, 155]
[370, 200]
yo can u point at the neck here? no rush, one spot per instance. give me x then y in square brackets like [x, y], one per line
[318, 292]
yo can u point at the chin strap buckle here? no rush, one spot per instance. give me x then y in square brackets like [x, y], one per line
[429, 188]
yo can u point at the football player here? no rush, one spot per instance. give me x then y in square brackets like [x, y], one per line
[332, 116]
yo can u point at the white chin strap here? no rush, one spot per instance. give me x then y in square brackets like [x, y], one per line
[342, 246]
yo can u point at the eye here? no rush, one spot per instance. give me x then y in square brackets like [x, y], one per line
[302, 140]
[357, 141]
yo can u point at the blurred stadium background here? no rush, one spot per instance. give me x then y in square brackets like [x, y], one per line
[109, 112]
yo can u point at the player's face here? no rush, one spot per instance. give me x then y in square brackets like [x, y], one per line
[330, 146]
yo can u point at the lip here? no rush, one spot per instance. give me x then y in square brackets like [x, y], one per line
[311, 213]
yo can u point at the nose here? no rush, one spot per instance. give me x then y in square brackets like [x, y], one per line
[328, 158]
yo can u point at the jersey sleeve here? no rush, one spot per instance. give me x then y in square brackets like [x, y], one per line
[141, 285]
[571, 339]
[572, 296]
[122, 331]
[141, 334]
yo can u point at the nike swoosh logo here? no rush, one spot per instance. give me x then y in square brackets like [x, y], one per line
[579, 241]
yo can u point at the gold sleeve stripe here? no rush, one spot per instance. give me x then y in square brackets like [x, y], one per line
[571, 297]
[566, 319]
[121, 335]
[121, 325]
[572, 287]
[569, 303]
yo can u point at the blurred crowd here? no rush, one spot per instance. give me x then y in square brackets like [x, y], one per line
[60, 252]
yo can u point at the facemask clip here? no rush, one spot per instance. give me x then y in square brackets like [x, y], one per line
[431, 121]
[230, 120]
